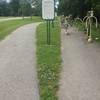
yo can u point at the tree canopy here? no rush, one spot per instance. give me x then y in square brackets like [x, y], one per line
[20, 7]
[66, 7]
[79, 7]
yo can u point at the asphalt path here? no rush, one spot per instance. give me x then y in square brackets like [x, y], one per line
[18, 75]
[80, 77]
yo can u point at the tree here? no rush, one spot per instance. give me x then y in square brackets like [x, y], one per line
[37, 7]
[79, 7]
[15, 5]
[4, 8]
[30, 7]
[20, 7]
[25, 8]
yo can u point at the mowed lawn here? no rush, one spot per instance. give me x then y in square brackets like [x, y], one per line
[48, 61]
[7, 27]
[4, 17]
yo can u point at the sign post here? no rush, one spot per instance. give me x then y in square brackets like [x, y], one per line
[48, 13]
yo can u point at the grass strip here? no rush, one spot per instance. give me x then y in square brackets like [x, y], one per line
[7, 27]
[48, 61]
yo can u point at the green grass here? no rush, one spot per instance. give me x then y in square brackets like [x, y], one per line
[48, 61]
[4, 17]
[7, 27]
[95, 31]
[79, 25]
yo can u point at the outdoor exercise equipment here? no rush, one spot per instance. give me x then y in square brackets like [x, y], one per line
[70, 20]
[78, 19]
[89, 21]
[62, 20]
[84, 20]
[68, 23]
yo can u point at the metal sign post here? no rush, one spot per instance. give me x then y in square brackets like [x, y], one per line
[48, 32]
[48, 13]
[52, 23]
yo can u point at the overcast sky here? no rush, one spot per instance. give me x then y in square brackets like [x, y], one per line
[7, 0]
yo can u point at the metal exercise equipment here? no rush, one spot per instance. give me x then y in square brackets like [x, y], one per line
[78, 19]
[88, 24]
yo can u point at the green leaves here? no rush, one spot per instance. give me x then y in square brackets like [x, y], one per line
[79, 7]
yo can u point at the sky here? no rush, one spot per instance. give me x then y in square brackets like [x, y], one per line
[7, 0]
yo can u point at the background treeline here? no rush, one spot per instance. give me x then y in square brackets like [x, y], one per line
[20, 7]
[79, 7]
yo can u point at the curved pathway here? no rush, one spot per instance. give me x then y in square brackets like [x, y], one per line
[18, 77]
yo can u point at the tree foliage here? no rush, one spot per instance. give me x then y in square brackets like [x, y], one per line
[20, 7]
[79, 7]
[4, 8]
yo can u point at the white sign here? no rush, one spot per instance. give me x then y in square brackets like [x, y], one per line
[48, 9]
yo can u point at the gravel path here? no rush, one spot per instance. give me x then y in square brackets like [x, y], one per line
[18, 77]
[80, 77]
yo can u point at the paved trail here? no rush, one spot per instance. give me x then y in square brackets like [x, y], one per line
[18, 77]
[80, 77]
